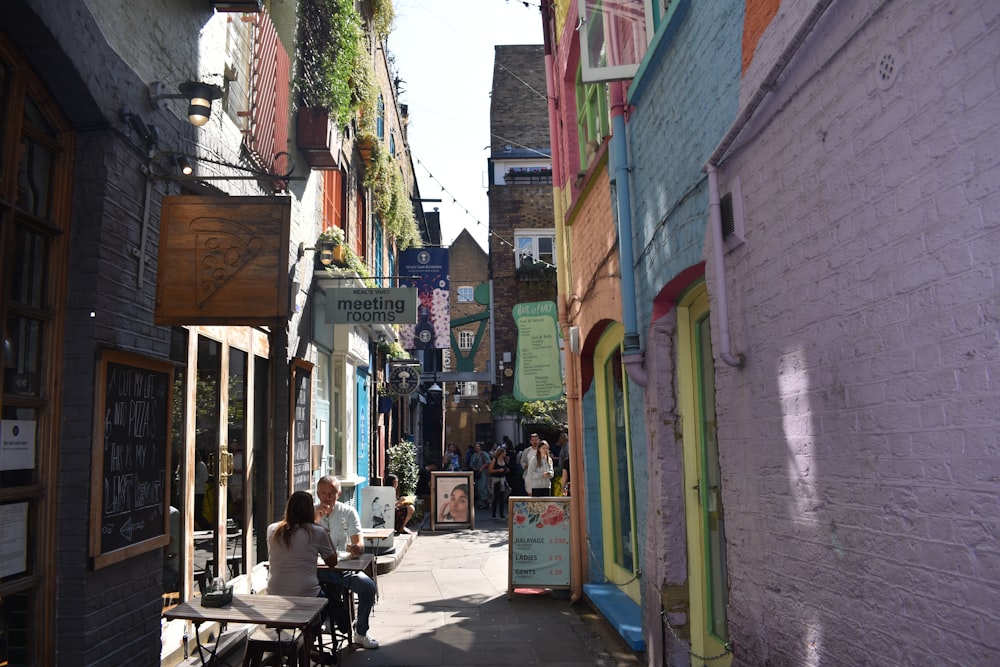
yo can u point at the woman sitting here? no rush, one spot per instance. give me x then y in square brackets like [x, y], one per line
[293, 545]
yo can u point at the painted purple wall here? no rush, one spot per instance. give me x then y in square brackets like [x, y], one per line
[859, 444]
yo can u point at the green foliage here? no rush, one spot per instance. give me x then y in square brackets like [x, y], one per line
[506, 406]
[331, 42]
[331, 235]
[551, 414]
[364, 92]
[545, 413]
[390, 198]
[383, 15]
[403, 464]
[394, 350]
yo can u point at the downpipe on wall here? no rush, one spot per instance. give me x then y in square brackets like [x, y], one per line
[633, 357]
[711, 169]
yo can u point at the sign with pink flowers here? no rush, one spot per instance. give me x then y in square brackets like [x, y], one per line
[539, 543]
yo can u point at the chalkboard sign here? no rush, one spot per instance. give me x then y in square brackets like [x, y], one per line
[131, 457]
[539, 543]
[301, 423]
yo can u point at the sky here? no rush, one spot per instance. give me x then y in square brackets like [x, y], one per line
[443, 52]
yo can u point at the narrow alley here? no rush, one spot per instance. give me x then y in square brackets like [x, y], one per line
[446, 604]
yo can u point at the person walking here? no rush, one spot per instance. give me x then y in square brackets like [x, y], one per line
[538, 477]
[498, 471]
[479, 463]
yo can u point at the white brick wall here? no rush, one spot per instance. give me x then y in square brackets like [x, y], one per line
[860, 445]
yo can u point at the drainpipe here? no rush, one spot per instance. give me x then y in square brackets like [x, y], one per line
[573, 410]
[632, 355]
[711, 169]
[718, 259]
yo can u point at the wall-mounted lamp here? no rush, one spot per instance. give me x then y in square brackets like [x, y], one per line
[435, 388]
[456, 396]
[324, 252]
[198, 94]
[148, 133]
[184, 165]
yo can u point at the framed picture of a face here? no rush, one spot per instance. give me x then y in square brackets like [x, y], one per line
[451, 499]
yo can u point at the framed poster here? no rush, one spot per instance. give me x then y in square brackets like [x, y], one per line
[378, 510]
[129, 502]
[539, 543]
[451, 500]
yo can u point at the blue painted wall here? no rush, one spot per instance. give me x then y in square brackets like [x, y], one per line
[695, 64]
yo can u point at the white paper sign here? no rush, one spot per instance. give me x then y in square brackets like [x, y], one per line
[13, 538]
[17, 444]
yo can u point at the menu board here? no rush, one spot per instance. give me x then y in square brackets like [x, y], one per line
[539, 543]
[301, 424]
[131, 456]
[537, 372]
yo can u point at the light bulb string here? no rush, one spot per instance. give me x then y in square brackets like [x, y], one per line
[489, 232]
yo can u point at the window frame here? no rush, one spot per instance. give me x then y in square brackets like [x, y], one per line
[533, 235]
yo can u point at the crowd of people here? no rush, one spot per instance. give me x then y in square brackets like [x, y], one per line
[501, 469]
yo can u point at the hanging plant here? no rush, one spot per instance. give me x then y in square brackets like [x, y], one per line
[330, 39]
[383, 15]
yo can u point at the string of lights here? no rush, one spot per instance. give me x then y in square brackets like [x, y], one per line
[489, 232]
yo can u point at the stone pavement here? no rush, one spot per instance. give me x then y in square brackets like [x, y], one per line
[445, 603]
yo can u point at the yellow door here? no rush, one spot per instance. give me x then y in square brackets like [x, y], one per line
[707, 572]
[621, 560]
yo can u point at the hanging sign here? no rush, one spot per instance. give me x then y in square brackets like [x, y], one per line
[404, 377]
[538, 372]
[393, 305]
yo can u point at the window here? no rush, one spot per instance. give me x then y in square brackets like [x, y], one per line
[236, 94]
[380, 119]
[465, 294]
[535, 245]
[466, 339]
[614, 39]
[333, 198]
[593, 118]
[467, 389]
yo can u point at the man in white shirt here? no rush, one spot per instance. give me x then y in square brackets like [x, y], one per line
[534, 440]
[344, 525]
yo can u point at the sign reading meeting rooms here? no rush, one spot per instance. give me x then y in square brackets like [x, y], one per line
[394, 305]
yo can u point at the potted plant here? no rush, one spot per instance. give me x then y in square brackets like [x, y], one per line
[330, 248]
[330, 40]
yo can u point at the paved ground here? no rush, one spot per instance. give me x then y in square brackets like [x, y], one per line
[445, 603]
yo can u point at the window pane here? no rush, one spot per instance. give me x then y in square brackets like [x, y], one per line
[22, 346]
[619, 454]
[15, 637]
[34, 179]
[546, 249]
[28, 279]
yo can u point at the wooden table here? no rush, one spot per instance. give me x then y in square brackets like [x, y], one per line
[274, 611]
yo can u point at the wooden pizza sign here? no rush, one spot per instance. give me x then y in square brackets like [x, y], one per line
[223, 260]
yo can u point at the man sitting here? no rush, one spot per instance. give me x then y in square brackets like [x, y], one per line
[344, 525]
[404, 508]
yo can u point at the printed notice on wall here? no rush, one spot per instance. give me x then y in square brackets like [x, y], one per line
[13, 538]
[17, 444]
[539, 543]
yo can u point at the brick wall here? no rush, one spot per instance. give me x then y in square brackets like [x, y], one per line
[859, 444]
[519, 117]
